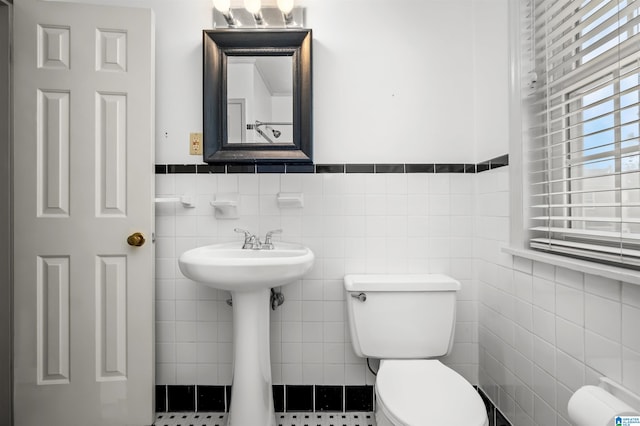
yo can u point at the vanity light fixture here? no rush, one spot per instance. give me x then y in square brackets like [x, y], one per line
[253, 14]
[286, 6]
[253, 7]
[224, 7]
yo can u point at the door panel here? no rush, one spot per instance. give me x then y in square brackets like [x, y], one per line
[83, 182]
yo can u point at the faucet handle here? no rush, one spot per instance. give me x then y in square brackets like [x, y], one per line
[270, 234]
[247, 234]
[249, 238]
[268, 244]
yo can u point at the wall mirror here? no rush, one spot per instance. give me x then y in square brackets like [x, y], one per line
[257, 101]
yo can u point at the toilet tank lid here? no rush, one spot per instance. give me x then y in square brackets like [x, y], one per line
[400, 282]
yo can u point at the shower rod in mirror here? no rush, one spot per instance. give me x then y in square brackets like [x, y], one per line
[268, 126]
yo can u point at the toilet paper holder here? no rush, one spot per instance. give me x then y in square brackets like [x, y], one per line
[620, 392]
[603, 404]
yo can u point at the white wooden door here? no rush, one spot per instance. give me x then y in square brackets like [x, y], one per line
[83, 182]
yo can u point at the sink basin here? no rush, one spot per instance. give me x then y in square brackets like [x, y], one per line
[227, 266]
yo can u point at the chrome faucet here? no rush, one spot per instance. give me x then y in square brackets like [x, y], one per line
[251, 242]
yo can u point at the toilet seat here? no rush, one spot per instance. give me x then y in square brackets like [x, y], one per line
[427, 393]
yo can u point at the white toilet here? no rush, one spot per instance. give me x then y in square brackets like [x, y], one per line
[406, 321]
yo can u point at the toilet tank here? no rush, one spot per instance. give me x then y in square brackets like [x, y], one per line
[401, 316]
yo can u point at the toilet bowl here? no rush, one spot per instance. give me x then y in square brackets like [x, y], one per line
[425, 392]
[407, 321]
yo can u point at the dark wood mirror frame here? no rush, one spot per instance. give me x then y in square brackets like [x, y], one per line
[217, 46]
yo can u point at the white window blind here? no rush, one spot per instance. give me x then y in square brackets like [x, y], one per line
[585, 128]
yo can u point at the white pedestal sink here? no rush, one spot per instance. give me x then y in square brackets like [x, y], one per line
[248, 275]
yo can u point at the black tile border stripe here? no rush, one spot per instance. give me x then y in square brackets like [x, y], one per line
[496, 418]
[450, 168]
[359, 398]
[329, 168]
[210, 398]
[241, 168]
[161, 399]
[420, 168]
[290, 398]
[299, 398]
[271, 168]
[181, 168]
[287, 398]
[233, 168]
[300, 168]
[278, 398]
[329, 398]
[181, 398]
[389, 168]
[360, 168]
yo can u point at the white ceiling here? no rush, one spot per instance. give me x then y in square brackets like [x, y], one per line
[276, 72]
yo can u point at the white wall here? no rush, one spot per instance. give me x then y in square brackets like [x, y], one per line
[262, 108]
[282, 107]
[394, 81]
[491, 74]
[242, 87]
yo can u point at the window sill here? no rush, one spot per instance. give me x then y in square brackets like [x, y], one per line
[613, 272]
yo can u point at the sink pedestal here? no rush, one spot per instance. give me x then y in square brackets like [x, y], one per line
[251, 393]
[249, 275]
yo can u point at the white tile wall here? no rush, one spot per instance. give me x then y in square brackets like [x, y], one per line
[354, 223]
[543, 331]
[552, 329]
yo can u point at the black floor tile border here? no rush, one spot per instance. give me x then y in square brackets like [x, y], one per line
[278, 398]
[232, 168]
[298, 398]
[161, 399]
[329, 398]
[359, 398]
[496, 418]
[211, 398]
[181, 398]
[287, 398]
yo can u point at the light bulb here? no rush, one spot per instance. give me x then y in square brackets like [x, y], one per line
[285, 6]
[222, 5]
[252, 6]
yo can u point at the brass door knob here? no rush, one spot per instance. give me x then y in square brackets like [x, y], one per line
[136, 239]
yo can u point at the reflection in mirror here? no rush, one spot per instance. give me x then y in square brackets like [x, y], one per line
[260, 99]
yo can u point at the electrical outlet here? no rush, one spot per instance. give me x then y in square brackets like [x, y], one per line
[195, 143]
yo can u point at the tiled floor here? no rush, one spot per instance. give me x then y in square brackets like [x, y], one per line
[282, 419]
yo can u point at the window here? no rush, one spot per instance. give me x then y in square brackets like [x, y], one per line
[584, 130]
